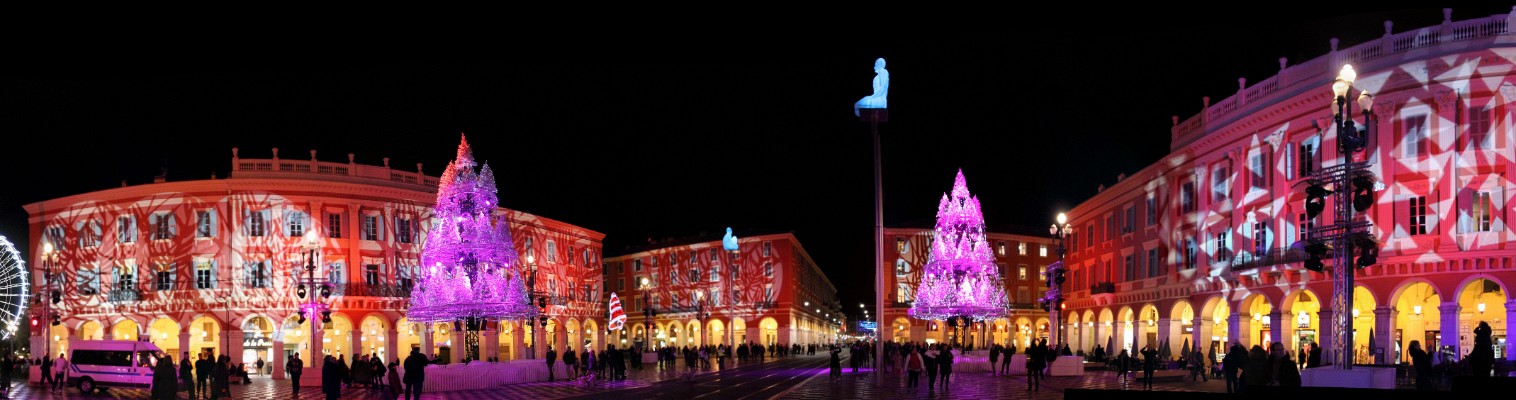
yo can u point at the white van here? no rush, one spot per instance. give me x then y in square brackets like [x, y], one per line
[99, 364]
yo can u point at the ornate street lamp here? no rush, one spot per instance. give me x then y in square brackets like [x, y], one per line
[1053, 303]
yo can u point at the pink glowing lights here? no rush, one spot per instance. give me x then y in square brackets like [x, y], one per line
[959, 278]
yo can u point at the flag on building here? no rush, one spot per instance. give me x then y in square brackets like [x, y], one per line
[618, 317]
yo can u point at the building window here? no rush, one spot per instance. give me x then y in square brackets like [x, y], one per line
[405, 276]
[296, 222]
[1418, 214]
[1187, 197]
[1089, 236]
[256, 274]
[126, 229]
[371, 274]
[768, 292]
[552, 251]
[1021, 272]
[370, 227]
[734, 270]
[1258, 168]
[1221, 246]
[673, 300]
[768, 249]
[166, 279]
[1023, 295]
[1129, 220]
[1129, 266]
[1260, 237]
[1000, 248]
[89, 280]
[694, 275]
[89, 234]
[620, 284]
[1153, 265]
[900, 245]
[1021, 248]
[1479, 129]
[126, 276]
[1152, 210]
[1220, 185]
[715, 273]
[655, 281]
[334, 225]
[205, 223]
[715, 297]
[1307, 156]
[768, 269]
[1416, 140]
[902, 267]
[255, 224]
[1478, 214]
[637, 265]
[713, 255]
[405, 230]
[638, 303]
[1306, 225]
[1042, 273]
[1042, 250]
[1189, 253]
[204, 278]
[163, 226]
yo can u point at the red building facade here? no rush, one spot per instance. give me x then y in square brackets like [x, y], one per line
[1022, 260]
[769, 292]
[1195, 248]
[211, 265]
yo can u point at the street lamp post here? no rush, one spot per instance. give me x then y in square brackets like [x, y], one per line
[49, 257]
[1353, 184]
[1055, 278]
[311, 306]
[647, 319]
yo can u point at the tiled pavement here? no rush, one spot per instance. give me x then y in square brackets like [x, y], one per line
[803, 377]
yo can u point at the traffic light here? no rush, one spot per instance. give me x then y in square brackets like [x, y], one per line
[1368, 252]
[1363, 193]
[34, 322]
[1314, 252]
[1315, 199]
[1058, 277]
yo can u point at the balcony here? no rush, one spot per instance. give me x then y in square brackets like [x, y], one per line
[1275, 256]
[365, 289]
[122, 295]
[1103, 288]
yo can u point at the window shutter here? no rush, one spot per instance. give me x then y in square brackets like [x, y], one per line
[1465, 217]
[1403, 223]
[1497, 207]
[1433, 212]
[211, 215]
[247, 219]
[379, 230]
[269, 227]
[173, 226]
[215, 274]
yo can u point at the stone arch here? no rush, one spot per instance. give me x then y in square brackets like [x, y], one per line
[900, 330]
[336, 338]
[573, 336]
[206, 335]
[164, 333]
[1181, 325]
[769, 330]
[91, 329]
[1301, 305]
[373, 330]
[716, 332]
[125, 329]
[1215, 324]
[1255, 311]
[692, 333]
[59, 335]
[1147, 326]
[1482, 299]
[1417, 314]
[592, 332]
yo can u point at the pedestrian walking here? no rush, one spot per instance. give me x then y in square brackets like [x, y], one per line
[187, 374]
[294, 367]
[415, 374]
[930, 361]
[331, 378]
[552, 357]
[836, 364]
[60, 372]
[1035, 360]
[913, 366]
[1231, 367]
[165, 382]
[945, 366]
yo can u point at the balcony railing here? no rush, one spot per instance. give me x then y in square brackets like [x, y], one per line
[370, 290]
[1275, 256]
[1103, 288]
[120, 295]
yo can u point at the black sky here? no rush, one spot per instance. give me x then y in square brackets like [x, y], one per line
[665, 135]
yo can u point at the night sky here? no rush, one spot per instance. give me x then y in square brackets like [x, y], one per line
[676, 134]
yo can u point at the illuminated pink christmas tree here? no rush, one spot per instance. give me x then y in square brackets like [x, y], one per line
[468, 261]
[960, 278]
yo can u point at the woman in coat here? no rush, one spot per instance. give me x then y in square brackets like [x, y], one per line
[1256, 371]
[220, 377]
[331, 378]
[165, 380]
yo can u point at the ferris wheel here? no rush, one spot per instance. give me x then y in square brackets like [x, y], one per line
[13, 288]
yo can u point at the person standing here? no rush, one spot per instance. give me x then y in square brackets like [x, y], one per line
[46, 371]
[187, 374]
[294, 366]
[331, 378]
[259, 364]
[1149, 362]
[1231, 365]
[60, 371]
[1034, 363]
[552, 358]
[1313, 359]
[415, 374]
[1005, 360]
[1423, 364]
[836, 364]
[569, 359]
[1197, 365]
[994, 358]
[164, 381]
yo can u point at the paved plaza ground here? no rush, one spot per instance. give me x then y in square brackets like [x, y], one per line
[799, 377]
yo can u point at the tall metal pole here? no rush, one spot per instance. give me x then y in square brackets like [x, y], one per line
[879, 289]
[1342, 268]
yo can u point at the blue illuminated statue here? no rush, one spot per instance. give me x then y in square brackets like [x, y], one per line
[881, 89]
[729, 242]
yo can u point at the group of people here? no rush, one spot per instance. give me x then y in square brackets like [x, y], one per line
[1245, 368]
[608, 364]
[936, 360]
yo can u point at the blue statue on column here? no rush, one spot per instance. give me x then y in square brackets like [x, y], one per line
[881, 89]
